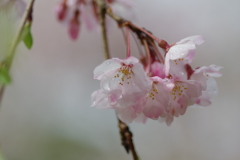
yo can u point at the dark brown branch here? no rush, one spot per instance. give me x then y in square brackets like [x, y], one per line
[126, 138]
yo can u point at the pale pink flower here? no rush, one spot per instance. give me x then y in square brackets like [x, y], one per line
[103, 99]
[204, 75]
[156, 100]
[127, 74]
[183, 94]
[127, 114]
[141, 118]
[100, 99]
[184, 49]
[123, 85]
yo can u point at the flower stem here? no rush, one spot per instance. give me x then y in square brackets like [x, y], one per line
[148, 56]
[128, 43]
[146, 32]
[159, 55]
[102, 16]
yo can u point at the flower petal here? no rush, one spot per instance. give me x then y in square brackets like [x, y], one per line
[197, 39]
[105, 67]
[100, 100]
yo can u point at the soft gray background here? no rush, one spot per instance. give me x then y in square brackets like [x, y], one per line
[45, 114]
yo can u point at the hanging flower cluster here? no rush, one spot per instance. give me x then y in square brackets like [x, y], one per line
[75, 12]
[157, 87]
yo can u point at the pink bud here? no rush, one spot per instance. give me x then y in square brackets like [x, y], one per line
[61, 11]
[73, 29]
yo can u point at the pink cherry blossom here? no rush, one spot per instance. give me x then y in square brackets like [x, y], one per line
[169, 90]
[182, 95]
[156, 100]
[184, 49]
[123, 85]
[127, 74]
[204, 75]
[127, 114]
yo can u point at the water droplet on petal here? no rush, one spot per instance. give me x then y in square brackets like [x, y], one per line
[107, 63]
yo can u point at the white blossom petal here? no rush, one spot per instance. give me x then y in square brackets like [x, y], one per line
[105, 67]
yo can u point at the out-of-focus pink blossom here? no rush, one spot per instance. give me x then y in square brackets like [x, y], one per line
[87, 9]
[74, 27]
[61, 10]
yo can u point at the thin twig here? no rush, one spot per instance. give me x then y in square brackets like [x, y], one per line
[128, 42]
[16, 40]
[126, 135]
[9, 58]
[137, 44]
[102, 16]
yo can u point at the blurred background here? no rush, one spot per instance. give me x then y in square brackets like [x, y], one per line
[45, 113]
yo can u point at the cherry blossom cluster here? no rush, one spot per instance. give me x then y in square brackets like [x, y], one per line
[158, 88]
[73, 13]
